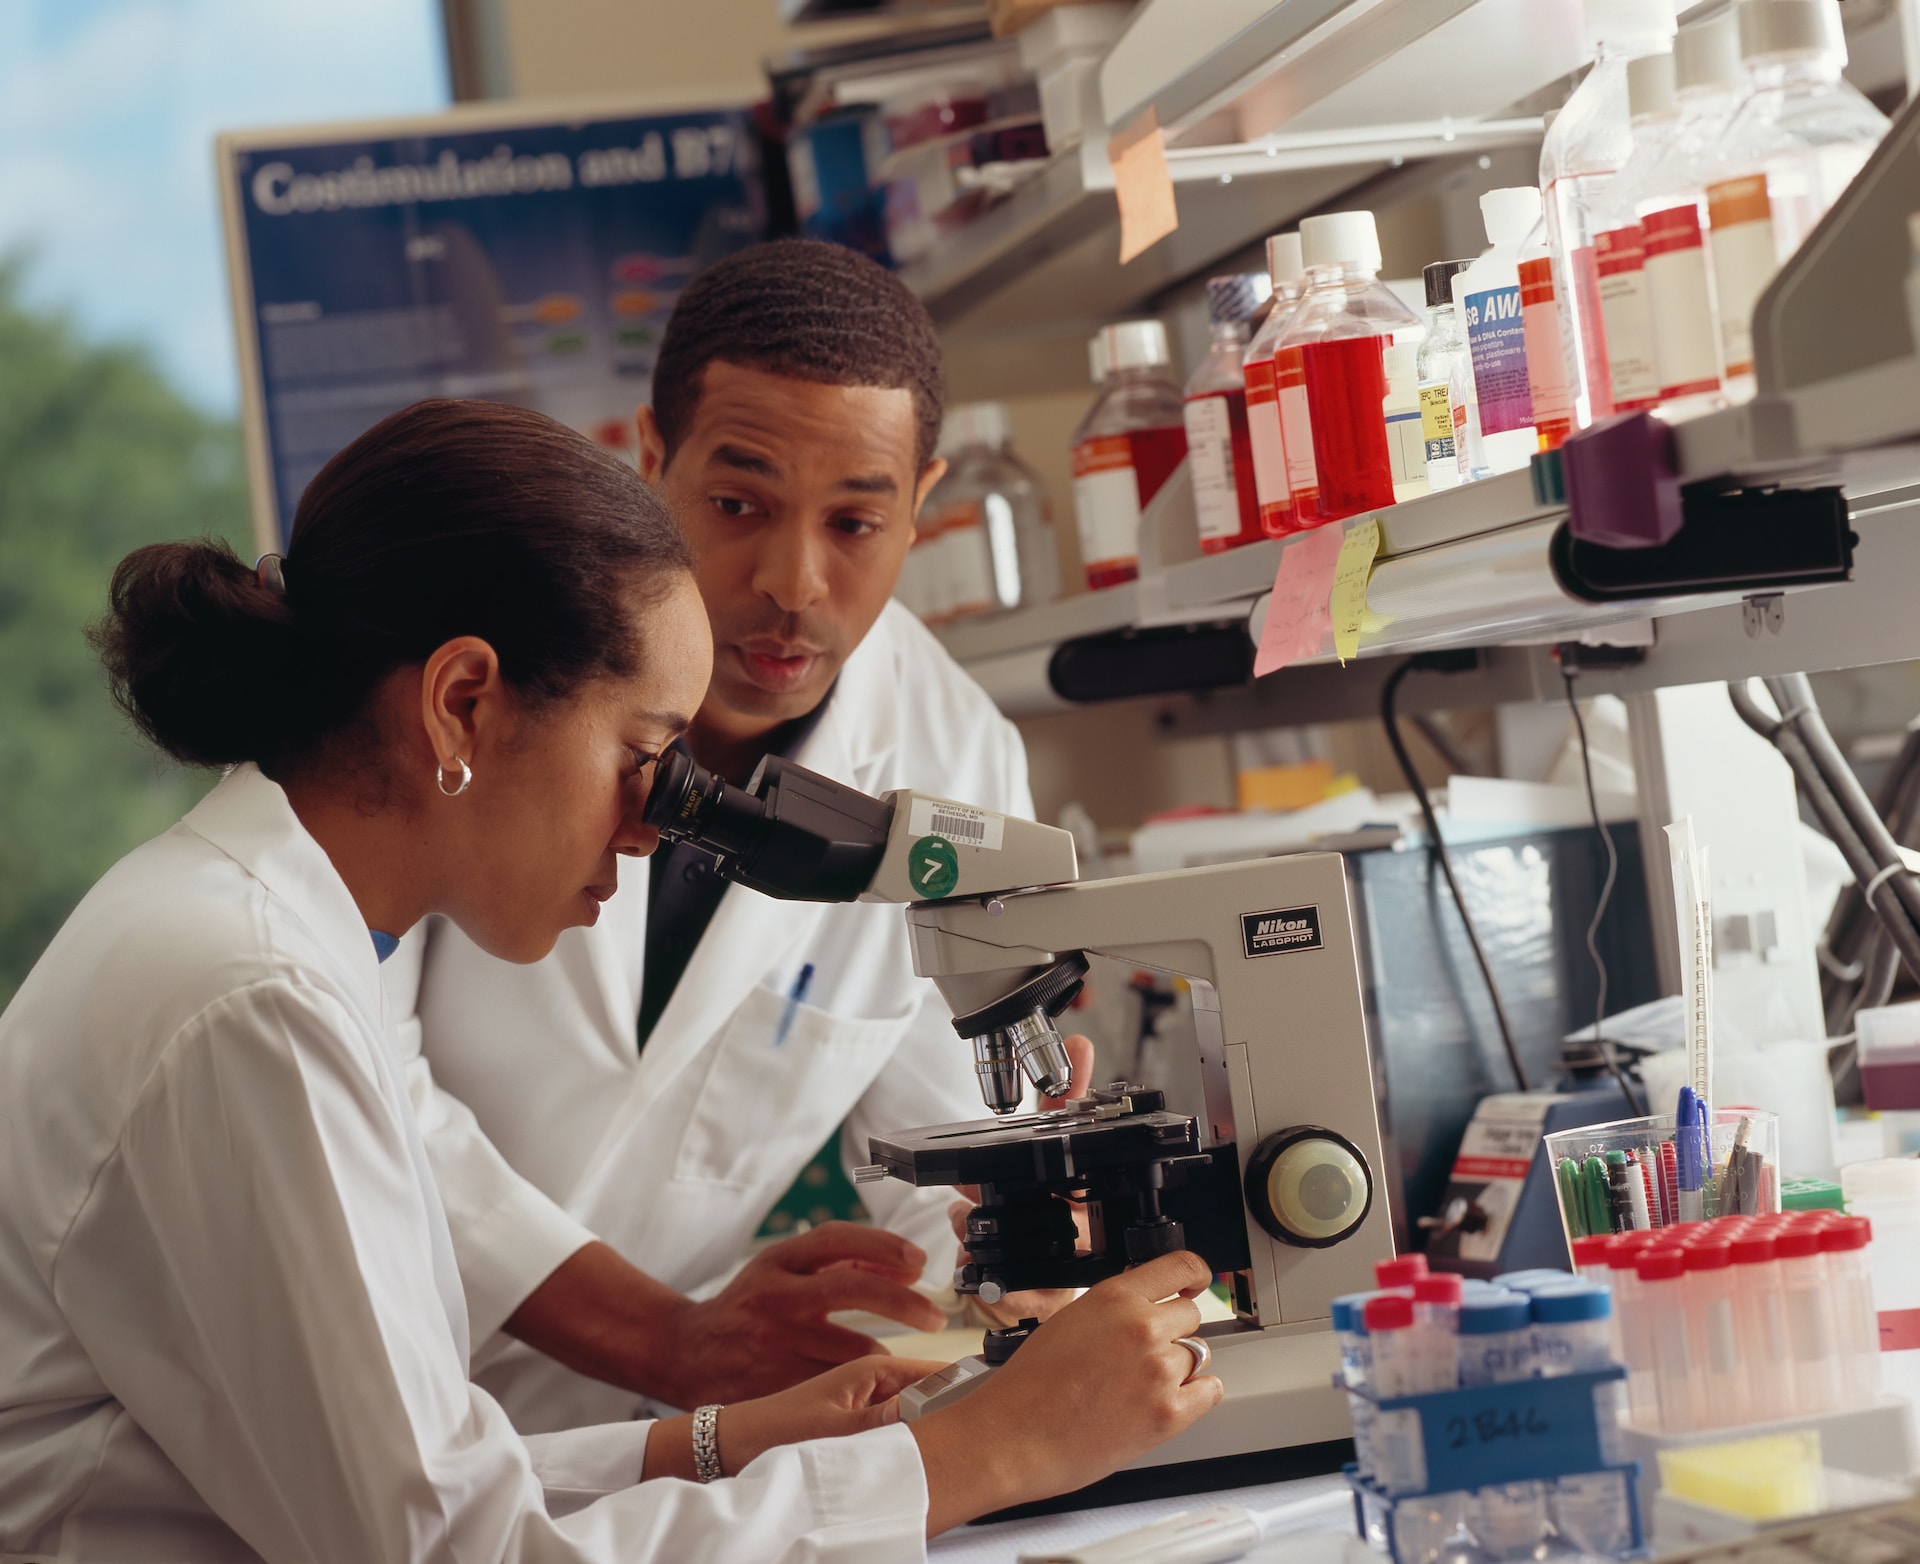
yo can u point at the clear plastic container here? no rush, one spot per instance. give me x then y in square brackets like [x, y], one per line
[1219, 445]
[1671, 205]
[1633, 368]
[1760, 1313]
[1128, 446]
[1496, 1339]
[1399, 1369]
[1850, 1276]
[1442, 371]
[996, 528]
[1887, 1193]
[1812, 1335]
[1662, 1296]
[1266, 411]
[1487, 296]
[1510, 1520]
[1713, 1332]
[1335, 343]
[1572, 1329]
[1356, 1370]
[1592, 1512]
[1591, 1194]
[1589, 140]
[1791, 148]
[1634, 1329]
[1436, 1315]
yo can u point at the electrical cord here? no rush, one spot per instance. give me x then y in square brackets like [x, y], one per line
[1389, 717]
[1568, 671]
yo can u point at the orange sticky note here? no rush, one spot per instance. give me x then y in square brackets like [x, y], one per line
[1297, 617]
[1143, 185]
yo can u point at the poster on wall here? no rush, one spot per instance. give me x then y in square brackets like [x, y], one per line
[529, 260]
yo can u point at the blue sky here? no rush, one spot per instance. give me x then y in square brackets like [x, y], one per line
[108, 109]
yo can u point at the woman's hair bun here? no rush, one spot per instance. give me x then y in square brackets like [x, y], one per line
[199, 652]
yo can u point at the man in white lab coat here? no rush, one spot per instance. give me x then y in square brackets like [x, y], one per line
[610, 1127]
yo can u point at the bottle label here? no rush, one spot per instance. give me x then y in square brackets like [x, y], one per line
[1216, 497]
[1436, 424]
[1406, 439]
[1547, 382]
[1497, 341]
[1632, 370]
[1269, 452]
[1296, 423]
[962, 559]
[1106, 501]
[1680, 302]
[1743, 261]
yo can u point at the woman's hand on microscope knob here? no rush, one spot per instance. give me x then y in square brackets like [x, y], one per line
[1039, 1303]
[1100, 1384]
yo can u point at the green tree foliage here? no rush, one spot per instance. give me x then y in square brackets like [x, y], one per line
[97, 456]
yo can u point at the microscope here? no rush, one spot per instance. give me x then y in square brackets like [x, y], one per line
[1275, 1183]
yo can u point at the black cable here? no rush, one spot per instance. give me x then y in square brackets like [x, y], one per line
[1389, 693]
[1567, 672]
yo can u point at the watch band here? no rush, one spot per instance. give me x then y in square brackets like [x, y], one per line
[706, 1444]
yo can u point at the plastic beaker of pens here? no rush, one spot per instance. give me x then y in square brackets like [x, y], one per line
[1637, 1174]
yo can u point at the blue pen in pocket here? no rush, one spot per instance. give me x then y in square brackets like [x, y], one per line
[796, 996]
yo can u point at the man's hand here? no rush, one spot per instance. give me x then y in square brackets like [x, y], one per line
[1039, 1303]
[765, 1331]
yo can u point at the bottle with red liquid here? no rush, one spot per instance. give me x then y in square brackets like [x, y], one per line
[1219, 448]
[1272, 484]
[1336, 343]
[1125, 450]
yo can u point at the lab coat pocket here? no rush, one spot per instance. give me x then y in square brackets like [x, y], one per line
[777, 1086]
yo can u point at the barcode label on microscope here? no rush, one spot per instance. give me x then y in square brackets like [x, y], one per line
[1280, 930]
[959, 824]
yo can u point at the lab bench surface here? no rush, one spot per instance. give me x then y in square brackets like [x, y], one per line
[1002, 1542]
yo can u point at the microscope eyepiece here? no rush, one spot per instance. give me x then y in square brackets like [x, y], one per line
[789, 833]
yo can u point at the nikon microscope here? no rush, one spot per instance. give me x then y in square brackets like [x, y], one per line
[1275, 1184]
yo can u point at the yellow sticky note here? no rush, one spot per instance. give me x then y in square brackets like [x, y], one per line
[1143, 185]
[1349, 603]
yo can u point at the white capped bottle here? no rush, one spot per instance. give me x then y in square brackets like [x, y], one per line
[1791, 148]
[1128, 446]
[1671, 204]
[1487, 295]
[997, 525]
[1589, 140]
[1619, 242]
[1266, 409]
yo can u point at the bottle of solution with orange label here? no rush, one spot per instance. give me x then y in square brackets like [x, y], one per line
[1619, 242]
[1272, 485]
[1128, 446]
[1671, 205]
[1219, 442]
[1590, 138]
[1336, 343]
[1791, 148]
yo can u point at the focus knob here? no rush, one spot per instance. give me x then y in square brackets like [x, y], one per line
[1308, 1186]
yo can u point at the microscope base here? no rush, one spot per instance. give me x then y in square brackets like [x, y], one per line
[1281, 1418]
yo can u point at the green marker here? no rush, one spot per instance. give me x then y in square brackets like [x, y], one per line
[1593, 1179]
[1571, 1202]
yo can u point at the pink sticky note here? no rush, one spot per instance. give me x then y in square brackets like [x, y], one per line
[1297, 618]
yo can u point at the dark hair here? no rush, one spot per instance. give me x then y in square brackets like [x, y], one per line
[808, 310]
[450, 518]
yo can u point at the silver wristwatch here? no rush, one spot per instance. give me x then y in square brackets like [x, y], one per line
[706, 1444]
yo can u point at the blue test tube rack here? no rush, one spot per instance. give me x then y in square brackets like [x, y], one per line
[1526, 1430]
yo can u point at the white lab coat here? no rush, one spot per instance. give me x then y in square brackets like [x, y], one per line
[230, 1322]
[550, 1126]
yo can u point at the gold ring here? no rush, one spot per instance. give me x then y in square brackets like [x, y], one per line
[1202, 1356]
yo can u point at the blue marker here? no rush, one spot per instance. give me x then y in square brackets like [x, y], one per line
[795, 996]
[1690, 1167]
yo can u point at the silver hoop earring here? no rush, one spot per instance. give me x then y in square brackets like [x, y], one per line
[466, 778]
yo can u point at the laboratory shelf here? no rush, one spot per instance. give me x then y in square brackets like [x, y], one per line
[1237, 70]
[1050, 250]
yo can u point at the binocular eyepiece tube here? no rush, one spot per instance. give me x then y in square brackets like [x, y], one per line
[789, 832]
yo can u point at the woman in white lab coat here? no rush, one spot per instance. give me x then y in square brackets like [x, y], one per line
[230, 1323]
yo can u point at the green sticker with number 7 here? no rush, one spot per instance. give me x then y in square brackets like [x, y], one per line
[933, 867]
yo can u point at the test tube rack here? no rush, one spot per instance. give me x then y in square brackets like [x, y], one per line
[1485, 1436]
